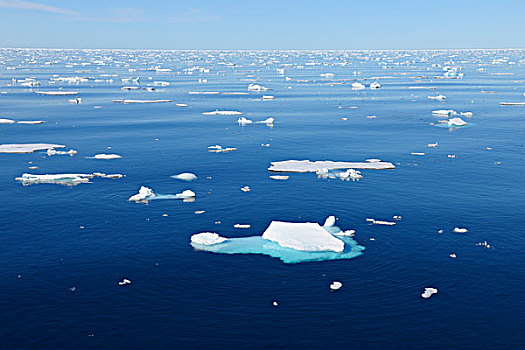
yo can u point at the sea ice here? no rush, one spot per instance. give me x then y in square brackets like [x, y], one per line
[304, 166]
[57, 93]
[460, 230]
[308, 236]
[244, 121]
[428, 292]
[335, 285]
[62, 179]
[357, 86]
[6, 121]
[207, 238]
[146, 194]
[220, 149]
[185, 176]
[279, 177]
[267, 121]
[456, 122]
[27, 147]
[217, 112]
[438, 97]
[52, 152]
[375, 85]
[106, 156]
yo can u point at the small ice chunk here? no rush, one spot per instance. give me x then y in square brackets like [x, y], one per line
[432, 145]
[181, 105]
[145, 101]
[6, 121]
[185, 177]
[106, 156]
[429, 291]
[357, 86]
[456, 122]
[267, 121]
[380, 222]
[460, 230]
[220, 149]
[417, 153]
[375, 85]
[244, 121]
[347, 233]
[145, 193]
[446, 112]
[124, 282]
[438, 97]
[51, 152]
[373, 160]
[246, 189]
[453, 255]
[242, 226]
[330, 221]
[207, 238]
[275, 304]
[268, 97]
[217, 112]
[279, 177]
[335, 285]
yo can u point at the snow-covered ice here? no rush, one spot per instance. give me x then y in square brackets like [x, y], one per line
[304, 166]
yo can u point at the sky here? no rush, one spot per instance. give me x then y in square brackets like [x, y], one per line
[266, 24]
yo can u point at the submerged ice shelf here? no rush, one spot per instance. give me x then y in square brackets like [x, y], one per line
[290, 242]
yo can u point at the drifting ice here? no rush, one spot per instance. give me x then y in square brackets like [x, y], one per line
[305, 166]
[185, 176]
[146, 194]
[27, 147]
[290, 242]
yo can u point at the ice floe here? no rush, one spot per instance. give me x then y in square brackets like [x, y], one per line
[62, 179]
[279, 177]
[429, 291]
[57, 93]
[217, 112]
[350, 174]
[106, 156]
[290, 242]
[146, 194]
[207, 238]
[244, 121]
[185, 176]
[6, 121]
[460, 230]
[27, 147]
[52, 152]
[220, 149]
[335, 285]
[456, 122]
[357, 86]
[438, 97]
[304, 166]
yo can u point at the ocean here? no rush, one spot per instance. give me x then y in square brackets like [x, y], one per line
[63, 249]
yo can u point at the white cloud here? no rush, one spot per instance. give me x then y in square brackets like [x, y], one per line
[29, 5]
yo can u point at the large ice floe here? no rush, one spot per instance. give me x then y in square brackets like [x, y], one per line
[217, 112]
[306, 166]
[146, 194]
[289, 241]
[63, 179]
[27, 147]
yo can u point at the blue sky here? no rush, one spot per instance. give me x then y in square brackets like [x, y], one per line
[267, 24]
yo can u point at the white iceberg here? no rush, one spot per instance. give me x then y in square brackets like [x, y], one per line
[257, 87]
[375, 85]
[6, 121]
[305, 166]
[445, 112]
[27, 147]
[145, 193]
[357, 86]
[460, 230]
[307, 236]
[185, 177]
[290, 242]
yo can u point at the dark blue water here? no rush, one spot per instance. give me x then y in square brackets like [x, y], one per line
[90, 236]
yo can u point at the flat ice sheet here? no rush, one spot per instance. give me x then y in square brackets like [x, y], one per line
[305, 166]
[308, 236]
[27, 147]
